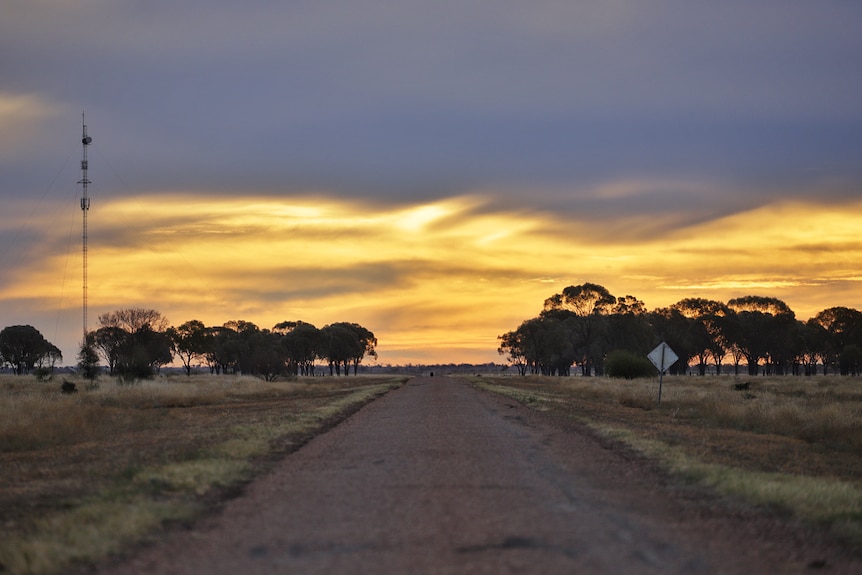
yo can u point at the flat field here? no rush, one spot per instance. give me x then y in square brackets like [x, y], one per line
[84, 474]
[790, 445]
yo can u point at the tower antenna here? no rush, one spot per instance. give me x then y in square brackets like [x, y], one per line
[85, 207]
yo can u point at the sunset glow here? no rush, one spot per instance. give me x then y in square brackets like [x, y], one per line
[432, 172]
[436, 282]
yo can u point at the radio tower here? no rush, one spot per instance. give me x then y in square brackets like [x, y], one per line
[85, 207]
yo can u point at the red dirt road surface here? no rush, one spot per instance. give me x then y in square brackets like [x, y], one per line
[438, 477]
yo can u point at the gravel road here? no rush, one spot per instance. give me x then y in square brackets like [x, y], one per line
[438, 477]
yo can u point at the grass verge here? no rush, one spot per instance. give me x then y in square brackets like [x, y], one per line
[83, 476]
[789, 445]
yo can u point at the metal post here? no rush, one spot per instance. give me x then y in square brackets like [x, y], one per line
[661, 372]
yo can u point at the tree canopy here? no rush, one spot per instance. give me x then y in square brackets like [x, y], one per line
[23, 347]
[584, 324]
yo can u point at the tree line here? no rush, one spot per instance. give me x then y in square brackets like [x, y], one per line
[136, 343]
[584, 324]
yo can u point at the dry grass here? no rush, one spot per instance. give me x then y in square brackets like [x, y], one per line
[82, 475]
[791, 445]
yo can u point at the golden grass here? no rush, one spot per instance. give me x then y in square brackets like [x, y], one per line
[82, 475]
[790, 445]
[89, 531]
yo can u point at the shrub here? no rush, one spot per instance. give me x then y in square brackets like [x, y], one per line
[42, 373]
[628, 365]
[88, 362]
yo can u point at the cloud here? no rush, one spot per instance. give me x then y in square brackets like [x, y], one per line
[464, 154]
[23, 117]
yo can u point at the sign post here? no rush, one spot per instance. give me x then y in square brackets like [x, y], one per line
[662, 357]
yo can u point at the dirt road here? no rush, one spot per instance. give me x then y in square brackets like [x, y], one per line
[437, 477]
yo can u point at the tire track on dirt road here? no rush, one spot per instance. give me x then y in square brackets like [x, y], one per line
[438, 477]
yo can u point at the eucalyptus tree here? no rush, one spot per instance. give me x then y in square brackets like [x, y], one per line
[222, 350]
[267, 357]
[843, 327]
[843, 324]
[239, 343]
[512, 345]
[108, 341]
[302, 343]
[850, 360]
[530, 342]
[810, 340]
[141, 353]
[345, 344]
[629, 328]
[340, 346]
[765, 328]
[88, 359]
[590, 304]
[817, 347]
[190, 342]
[23, 347]
[134, 341]
[555, 342]
[706, 336]
[367, 345]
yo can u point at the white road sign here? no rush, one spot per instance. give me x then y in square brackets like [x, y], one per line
[662, 357]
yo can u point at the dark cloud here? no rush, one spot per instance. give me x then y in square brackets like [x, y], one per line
[412, 100]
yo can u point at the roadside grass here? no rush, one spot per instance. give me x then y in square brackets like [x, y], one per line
[790, 445]
[84, 475]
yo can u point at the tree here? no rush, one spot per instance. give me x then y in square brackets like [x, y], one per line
[512, 345]
[240, 343]
[88, 359]
[45, 365]
[546, 343]
[340, 345]
[850, 360]
[190, 342]
[532, 342]
[590, 304]
[367, 345]
[23, 347]
[817, 346]
[629, 328]
[706, 335]
[267, 357]
[302, 343]
[842, 327]
[109, 340]
[344, 344]
[761, 331]
[133, 341]
[143, 352]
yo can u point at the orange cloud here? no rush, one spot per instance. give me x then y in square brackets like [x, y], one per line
[437, 281]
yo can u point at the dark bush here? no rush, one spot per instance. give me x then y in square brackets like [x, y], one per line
[628, 365]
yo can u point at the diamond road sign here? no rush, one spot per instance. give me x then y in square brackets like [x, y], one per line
[662, 357]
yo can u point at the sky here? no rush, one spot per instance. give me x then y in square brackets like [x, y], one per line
[431, 170]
